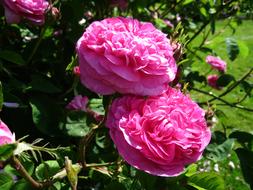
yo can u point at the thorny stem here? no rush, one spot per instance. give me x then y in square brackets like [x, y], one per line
[224, 101]
[87, 138]
[22, 171]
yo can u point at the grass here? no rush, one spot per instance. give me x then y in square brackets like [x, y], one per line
[235, 118]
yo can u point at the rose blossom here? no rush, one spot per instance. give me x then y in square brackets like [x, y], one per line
[212, 81]
[6, 136]
[159, 134]
[78, 103]
[127, 56]
[32, 10]
[216, 63]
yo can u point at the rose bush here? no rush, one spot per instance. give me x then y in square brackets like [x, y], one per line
[160, 134]
[126, 56]
[32, 10]
[5, 134]
[216, 63]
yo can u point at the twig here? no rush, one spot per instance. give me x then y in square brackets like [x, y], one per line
[222, 100]
[86, 139]
[235, 84]
[22, 171]
[100, 164]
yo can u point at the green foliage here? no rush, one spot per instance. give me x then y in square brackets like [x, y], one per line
[12, 57]
[246, 159]
[21, 185]
[225, 79]
[42, 84]
[6, 151]
[76, 124]
[6, 181]
[36, 69]
[47, 169]
[46, 114]
[206, 181]
[220, 152]
[232, 48]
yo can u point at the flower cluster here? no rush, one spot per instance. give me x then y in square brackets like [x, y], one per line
[32, 10]
[159, 134]
[217, 64]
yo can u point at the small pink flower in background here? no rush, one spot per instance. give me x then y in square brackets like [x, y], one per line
[126, 56]
[56, 14]
[216, 63]
[212, 81]
[168, 23]
[6, 136]
[76, 70]
[89, 15]
[122, 4]
[32, 10]
[159, 134]
[78, 103]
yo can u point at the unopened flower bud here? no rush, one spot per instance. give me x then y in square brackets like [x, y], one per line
[55, 13]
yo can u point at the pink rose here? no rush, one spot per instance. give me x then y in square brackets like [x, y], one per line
[159, 135]
[6, 136]
[78, 103]
[212, 81]
[126, 56]
[32, 10]
[216, 63]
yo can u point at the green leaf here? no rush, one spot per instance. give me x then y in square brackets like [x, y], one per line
[147, 181]
[6, 151]
[203, 11]
[1, 96]
[96, 105]
[76, 124]
[219, 152]
[47, 169]
[6, 181]
[187, 2]
[46, 115]
[12, 57]
[115, 185]
[191, 170]
[246, 160]
[72, 64]
[43, 84]
[247, 87]
[206, 181]
[232, 48]
[22, 185]
[243, 137]
[28, 165]
[224, 80]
